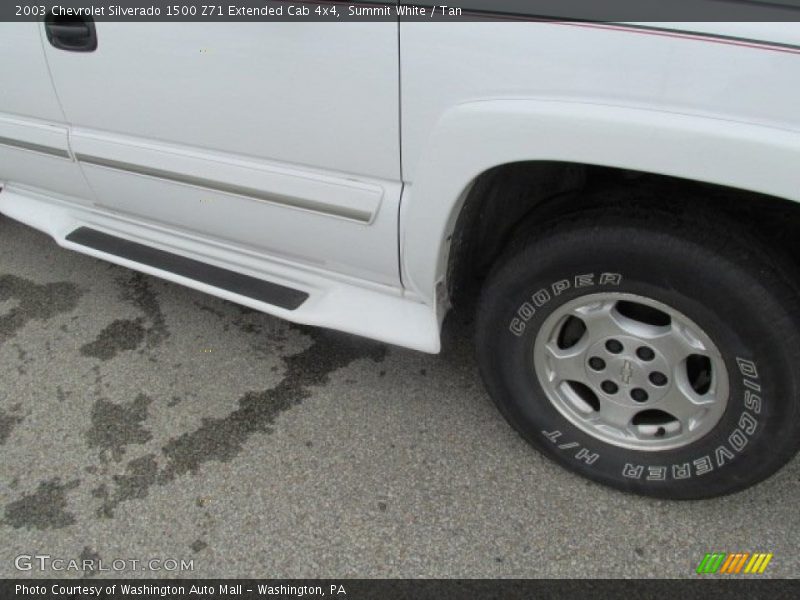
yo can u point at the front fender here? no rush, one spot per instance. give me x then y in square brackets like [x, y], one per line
[473, 137]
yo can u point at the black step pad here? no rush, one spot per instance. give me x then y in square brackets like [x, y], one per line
[244, 285]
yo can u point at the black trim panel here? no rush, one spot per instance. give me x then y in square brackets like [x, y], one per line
[244, 285]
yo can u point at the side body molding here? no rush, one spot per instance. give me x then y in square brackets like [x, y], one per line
[296, 188]
[473, 137]
[27, 134]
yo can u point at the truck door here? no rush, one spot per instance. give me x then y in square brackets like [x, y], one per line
[279, 138]
[34, 148]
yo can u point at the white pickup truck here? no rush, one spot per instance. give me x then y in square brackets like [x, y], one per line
[617, 202]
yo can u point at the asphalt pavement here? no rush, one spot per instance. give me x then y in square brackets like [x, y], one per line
[141, 420]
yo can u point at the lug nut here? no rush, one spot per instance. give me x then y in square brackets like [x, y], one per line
[609, 387]
[658, 378]
[639, 395]
[614, 346]
[645, 353]
[597, 363]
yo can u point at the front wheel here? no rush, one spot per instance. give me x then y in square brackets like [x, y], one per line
[655, 355]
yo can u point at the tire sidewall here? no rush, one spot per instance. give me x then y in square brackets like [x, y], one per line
[730, 304]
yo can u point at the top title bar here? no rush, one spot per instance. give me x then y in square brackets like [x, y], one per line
[454, 11]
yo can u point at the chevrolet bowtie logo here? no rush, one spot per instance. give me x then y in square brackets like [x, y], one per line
[626, 373]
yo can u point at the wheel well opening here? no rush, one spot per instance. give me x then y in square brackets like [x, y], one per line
[505, 200]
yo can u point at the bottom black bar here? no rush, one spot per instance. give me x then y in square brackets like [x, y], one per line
[244, 285]
[391, 589]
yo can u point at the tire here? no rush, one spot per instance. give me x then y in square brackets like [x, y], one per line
[718, 313]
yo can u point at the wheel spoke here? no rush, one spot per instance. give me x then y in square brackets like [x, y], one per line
[566, 364]
[678, 342]
[686, 406]
[614, 415]
[600, 319]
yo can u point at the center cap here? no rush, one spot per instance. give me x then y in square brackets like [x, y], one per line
[627, 370]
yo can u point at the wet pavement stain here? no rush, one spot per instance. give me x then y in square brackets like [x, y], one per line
[7, 424]
[246, 320]
[115, 426]
[34, 302]
[23, 358]
[222, 439]
[89, 556]
[62, 395]
[134, 484]
[137, 290]
[119, 336]
[43, 509]
[210, 309]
